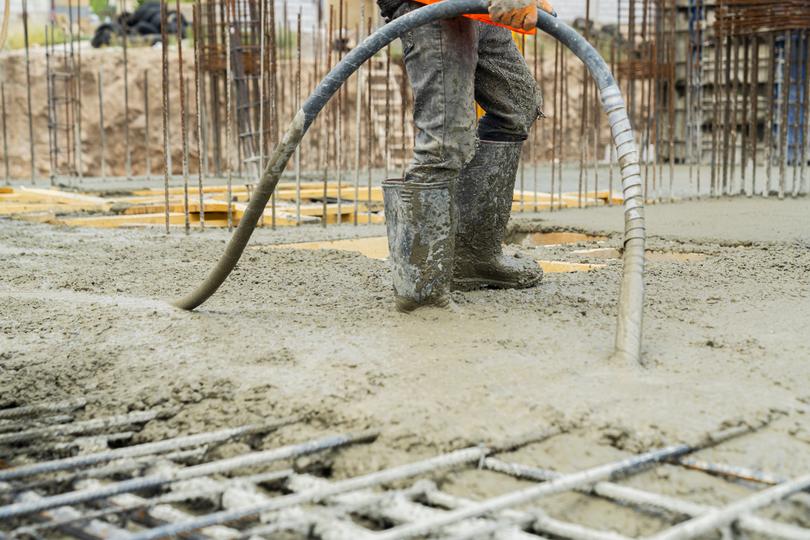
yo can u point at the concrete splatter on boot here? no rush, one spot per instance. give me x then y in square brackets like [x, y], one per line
[420, 227]
[484, 199]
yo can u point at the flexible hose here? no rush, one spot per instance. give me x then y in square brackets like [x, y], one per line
[628, 333]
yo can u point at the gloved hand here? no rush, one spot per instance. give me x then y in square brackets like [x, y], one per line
[546, 6]
[520, 14]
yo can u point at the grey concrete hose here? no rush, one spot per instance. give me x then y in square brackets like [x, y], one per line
[631, 301]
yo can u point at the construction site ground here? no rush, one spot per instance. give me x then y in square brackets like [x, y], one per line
[313, 332]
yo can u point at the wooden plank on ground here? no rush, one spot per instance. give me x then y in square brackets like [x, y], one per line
[64, 197]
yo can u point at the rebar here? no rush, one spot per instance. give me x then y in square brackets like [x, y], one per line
[5, 133]
[178, 443]
[453, 459]
[101, 130]
[28, 91]
[565, 483]
[74, 428]
[644, 499]
[731, 513]
[164, 38]
[147, 132]
[196, 471]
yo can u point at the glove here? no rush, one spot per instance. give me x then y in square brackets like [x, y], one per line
[546, 6]
[520, 14]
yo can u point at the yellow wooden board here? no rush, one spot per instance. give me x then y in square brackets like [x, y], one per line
[10, 209]
[377, 248]
[235, 188]
[63, 197]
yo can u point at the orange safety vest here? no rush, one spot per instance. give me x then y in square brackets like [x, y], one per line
[487, 20]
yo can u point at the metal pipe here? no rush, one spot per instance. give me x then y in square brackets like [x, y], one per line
[731, 513]
[628, 335]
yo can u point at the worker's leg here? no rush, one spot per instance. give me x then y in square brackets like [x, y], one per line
[507, 91]
[505, 88]
[440, 60]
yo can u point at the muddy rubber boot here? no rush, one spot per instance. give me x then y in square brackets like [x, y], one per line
[484, 199]
[420, 239]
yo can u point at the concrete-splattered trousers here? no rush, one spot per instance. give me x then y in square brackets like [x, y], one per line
[451, 65]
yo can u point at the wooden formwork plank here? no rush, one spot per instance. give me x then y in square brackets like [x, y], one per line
[10, 209]
[377, 248]
[563, 267]
[6, 190]
[63, 197]
[177, 207]
[235, 188]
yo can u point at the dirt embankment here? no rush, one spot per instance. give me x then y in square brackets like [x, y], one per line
[142, 63]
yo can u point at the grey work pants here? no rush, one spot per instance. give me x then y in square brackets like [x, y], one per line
[451, 65]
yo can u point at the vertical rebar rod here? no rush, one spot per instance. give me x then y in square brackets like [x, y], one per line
[297, 105]
[783, 114]
[358, 101]
[202, 151]
[387, 141]
[522, 156]
[536, 131]
[584, 113]
[5, 133]
[370, 130]
[51, 113]
[124, 46]
[689, 121]
[28, 91]
[229, 145]
[557, 112]
[805, 126]
[181, 81]
[672, 73]
[615, 54]
[330, 115]
[165, 103]
[744, 122]
[565, 113]
[403, 89]
[734, 89]
[340, 134]
[184, 119]
[753, 129]
[78, 103]
[769, 126]
[700, 87]
[102, 131]
[800, 61]
[273, 91]
[715, 114]
[147, 127]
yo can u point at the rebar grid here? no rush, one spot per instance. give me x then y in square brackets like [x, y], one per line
[250, 496]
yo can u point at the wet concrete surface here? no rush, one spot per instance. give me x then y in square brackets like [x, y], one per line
[314, 332]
